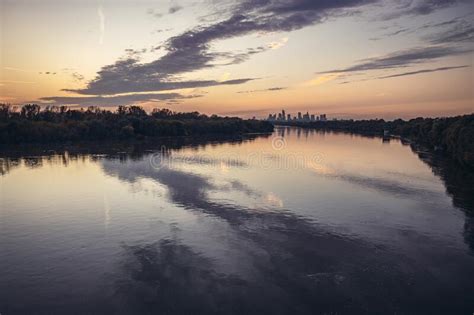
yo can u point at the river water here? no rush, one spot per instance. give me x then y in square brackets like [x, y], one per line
[297, 222]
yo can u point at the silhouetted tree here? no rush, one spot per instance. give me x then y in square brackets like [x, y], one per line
[454, 135]
[64, 124]
[30, 111]
[5, 111]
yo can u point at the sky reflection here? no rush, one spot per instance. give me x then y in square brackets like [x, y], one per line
[144, 236]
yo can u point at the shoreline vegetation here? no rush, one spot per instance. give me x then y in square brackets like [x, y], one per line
[453, 136]
[31, 124]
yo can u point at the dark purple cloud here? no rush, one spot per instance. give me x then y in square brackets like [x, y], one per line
[115, 100]
[409, 73]
[419, 7]
[402, 59]
[190, 51]
[422, 71]
[461, 32]
[147, 84]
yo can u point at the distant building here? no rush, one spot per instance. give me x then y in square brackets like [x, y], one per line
[306, 116]
[283, 116]
[271, 117]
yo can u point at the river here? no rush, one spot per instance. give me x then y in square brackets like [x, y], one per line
[297, 222]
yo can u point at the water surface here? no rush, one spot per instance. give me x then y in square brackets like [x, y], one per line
[297, 222]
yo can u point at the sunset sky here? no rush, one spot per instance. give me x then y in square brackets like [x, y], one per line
[352, 58]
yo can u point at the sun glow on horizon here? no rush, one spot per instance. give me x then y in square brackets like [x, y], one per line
[203, 57]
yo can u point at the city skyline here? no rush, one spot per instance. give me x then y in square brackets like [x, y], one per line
[284, 116]
[236, 157]
[407, 58]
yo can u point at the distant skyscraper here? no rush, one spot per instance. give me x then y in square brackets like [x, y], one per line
[306, 116]
[283, 116]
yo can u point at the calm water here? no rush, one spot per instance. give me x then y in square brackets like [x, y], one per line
[297, 222]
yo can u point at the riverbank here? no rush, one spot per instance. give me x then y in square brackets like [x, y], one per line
[59, 124]
[454, 136]
[130, 147]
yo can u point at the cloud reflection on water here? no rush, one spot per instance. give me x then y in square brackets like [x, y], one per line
[270, 258]
[298, 265]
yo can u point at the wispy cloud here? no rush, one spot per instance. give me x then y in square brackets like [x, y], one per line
[115, 100]
[17, 82]
[422, 71]
[440, 24]
[409, 73]
[142, 85]
[16, 69]
[278, 44]
[77, 76]
[321, 79]
[402, 59]
[458, 22]
[154, 13]
[174, 8]
[191, 50]
[461, 32]
[418, 7]
[277, 88]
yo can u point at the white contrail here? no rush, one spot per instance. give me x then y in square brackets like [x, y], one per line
[101, 24]
[16, 69]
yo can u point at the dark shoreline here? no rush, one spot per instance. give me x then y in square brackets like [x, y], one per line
[452, 136]
[32, 124]
[126, 146]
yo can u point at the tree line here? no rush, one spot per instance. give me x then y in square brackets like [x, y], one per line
[31, 124]
[453, 135]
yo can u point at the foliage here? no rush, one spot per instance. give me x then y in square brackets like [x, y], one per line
[454, 135]
[59, 124]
